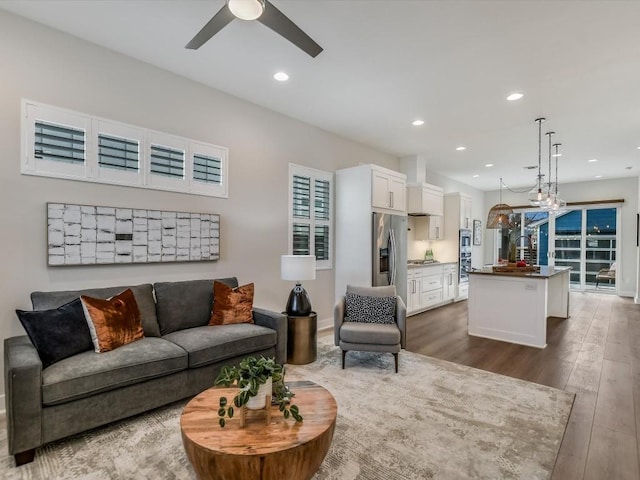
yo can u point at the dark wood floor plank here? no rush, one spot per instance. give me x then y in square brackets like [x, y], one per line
[612, 455]
[572, 458]
[614, 408]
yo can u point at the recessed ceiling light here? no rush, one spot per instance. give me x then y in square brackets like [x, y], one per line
[638, 148]
[417, 123]
[598, 176]
[592, 160]
[461, 148]
[515, 96]
[476, 176]
[489, 165]
[281, 76]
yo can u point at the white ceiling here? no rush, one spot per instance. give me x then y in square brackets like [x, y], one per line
[388, 62]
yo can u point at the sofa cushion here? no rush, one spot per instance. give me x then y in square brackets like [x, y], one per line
[370, 333]
[211, 344]
[57, 333]
[143, 294]
[89, 373]
[113, 322]
[185, 304]
[231, 305]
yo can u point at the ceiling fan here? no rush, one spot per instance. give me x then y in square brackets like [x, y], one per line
[263, 11]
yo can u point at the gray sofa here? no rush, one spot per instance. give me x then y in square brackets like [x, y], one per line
[179, 357]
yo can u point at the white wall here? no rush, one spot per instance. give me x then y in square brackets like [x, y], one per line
[54, 68]
[620, 188]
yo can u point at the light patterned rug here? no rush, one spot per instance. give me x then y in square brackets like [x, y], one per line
[434, 419]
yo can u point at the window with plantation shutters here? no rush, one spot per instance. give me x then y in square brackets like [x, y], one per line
[207, 169]
[118, 153]
[310, 213]
[167, 161]
[61, 143]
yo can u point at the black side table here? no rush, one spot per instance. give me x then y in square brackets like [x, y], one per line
[302, 339]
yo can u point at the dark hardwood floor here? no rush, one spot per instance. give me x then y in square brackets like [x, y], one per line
[595, 354]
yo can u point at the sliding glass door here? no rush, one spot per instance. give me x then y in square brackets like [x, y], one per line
[583, 239]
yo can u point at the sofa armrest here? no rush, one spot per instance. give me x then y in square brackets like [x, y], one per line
[338, 319]
[278, 322]
[401, 320]
[23, 394]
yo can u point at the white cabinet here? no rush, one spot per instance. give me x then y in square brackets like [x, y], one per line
[425, 199]
[458, 206]
[431, 288]
[429, 227]
[465, 212]
[436, 227]
[414, 289]
[388, 189]
[449, 280]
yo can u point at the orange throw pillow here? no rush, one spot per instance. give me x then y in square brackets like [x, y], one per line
[113, 322]
[231, 305]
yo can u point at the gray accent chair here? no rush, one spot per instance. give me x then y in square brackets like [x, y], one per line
[179, 357]
[370, 337]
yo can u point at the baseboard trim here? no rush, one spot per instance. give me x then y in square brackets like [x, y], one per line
[325, 323]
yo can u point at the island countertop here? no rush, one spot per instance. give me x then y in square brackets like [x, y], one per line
[545, 272]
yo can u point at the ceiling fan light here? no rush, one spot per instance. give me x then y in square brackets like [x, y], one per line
[246, 9]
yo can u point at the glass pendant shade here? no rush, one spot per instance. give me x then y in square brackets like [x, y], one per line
[540, 191]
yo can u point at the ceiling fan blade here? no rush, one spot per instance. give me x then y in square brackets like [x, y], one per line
[213, 26]
[279, 23]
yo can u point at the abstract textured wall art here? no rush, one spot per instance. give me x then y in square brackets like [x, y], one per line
[89, 235]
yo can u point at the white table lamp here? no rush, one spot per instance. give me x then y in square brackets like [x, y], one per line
[298, 268]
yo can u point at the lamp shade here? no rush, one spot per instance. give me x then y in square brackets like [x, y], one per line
[500, 216]
[298, 267]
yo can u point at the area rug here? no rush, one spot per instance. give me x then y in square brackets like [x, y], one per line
[432, 420]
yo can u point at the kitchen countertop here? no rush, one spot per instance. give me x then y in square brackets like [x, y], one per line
[421, 265]
[545, 272]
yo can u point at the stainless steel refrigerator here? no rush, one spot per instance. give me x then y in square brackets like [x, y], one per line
[390, 252]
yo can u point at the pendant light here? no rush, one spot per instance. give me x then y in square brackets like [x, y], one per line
[500, 214]
[535, 195]
[547, 201]
[558, 204]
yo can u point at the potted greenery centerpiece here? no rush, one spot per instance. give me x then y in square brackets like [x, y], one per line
[256, 378]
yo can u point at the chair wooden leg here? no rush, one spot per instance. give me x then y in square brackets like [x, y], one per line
[396, 358]
[24, 457]
[344, 354]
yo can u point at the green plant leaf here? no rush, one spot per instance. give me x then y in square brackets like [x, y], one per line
[286, 414]
[221, 422]
[230, 412]
[223, 401]
[221, 412]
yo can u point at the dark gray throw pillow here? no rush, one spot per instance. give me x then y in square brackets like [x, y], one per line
[360, 308]
[57, 333]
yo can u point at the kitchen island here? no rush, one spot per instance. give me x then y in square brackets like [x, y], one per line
[514, 306]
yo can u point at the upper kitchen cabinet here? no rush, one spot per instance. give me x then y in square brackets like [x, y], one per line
[388, 190]
[429, 227]
[458, 205]
[425, 199]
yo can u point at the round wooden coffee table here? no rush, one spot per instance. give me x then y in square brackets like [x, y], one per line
[282, 450]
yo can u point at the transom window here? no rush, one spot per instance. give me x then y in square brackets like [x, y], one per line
[65, 144]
